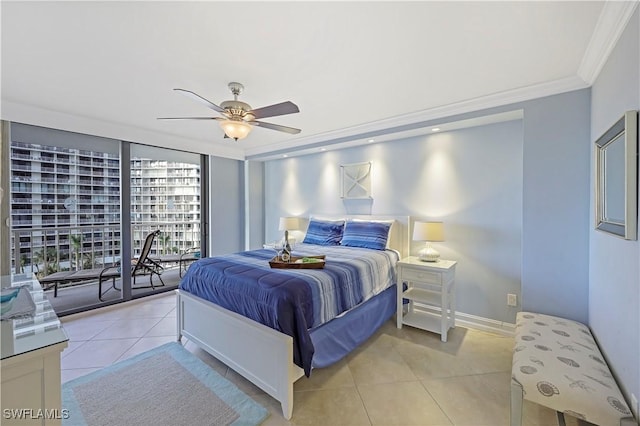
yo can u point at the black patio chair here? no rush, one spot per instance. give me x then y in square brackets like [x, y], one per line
[183, 259]
[142, 265]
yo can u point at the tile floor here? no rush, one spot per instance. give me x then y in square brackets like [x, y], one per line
[398, 377]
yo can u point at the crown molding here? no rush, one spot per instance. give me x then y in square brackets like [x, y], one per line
[611, 23]
[423, 118]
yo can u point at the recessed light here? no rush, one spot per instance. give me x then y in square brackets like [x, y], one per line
[323, 149]
[285, 156]
[371, 140]
[435, 129]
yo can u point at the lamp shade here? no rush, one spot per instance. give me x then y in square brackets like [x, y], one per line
[428, 231]
[289, 223]
[236, 129]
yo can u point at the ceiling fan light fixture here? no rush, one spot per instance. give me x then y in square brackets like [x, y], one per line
[238, 118]
[235, 129]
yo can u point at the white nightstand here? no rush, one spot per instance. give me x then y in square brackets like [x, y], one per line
[431, 284]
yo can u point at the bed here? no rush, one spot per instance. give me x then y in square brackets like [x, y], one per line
[315, 320]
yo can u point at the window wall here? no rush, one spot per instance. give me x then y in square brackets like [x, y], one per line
[70, 210]
[165, 188]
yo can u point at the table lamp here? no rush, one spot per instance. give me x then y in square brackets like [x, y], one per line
[428, 231]
[288, 224]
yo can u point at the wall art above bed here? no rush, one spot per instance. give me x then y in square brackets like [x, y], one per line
[355, 181]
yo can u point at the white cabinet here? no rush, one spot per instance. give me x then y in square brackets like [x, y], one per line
[431, 284]
[30, 392]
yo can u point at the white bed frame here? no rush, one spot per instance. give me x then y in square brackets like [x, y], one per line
[259, 353]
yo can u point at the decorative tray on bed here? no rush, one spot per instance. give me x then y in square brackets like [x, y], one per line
[299, 262]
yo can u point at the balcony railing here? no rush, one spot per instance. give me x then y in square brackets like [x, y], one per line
[47, 250]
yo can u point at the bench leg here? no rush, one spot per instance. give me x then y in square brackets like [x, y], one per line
[516, 404]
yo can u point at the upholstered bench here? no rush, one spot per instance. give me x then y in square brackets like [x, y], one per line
[557, 364]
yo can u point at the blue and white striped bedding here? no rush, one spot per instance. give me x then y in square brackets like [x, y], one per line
[350, 276]
[293, 301]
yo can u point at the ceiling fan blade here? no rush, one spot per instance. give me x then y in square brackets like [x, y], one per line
[190, 118]
[278, 127]
[200, 99]
[282, 108]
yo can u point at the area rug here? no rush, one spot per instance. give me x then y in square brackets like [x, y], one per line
[167, 385]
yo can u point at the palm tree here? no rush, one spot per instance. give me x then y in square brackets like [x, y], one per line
[76, 243]
[87, 261]
[23, 262]
[38, 257]
[164, 242]
[48, 257]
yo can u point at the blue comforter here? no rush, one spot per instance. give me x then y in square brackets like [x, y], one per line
[292, 301]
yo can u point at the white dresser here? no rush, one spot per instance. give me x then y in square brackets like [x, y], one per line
[30, 364]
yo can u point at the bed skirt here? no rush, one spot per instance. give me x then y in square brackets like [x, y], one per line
[335, 339]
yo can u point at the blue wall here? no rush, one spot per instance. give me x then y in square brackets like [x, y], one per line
[550, 180]
[227, 206]
[614, 290]
[556, 206]
[471, 179]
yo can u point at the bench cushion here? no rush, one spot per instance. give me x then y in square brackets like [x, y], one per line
[558, 365]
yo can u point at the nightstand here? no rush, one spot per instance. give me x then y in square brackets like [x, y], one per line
[431, 284]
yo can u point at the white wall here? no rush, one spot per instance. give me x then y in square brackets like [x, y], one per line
[471, 179]
[614, 274]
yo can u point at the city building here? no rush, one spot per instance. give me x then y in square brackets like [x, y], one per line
[65, 206]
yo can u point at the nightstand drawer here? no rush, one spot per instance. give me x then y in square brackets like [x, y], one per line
[409, 274]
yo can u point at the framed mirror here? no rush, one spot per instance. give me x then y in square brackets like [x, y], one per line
[616, 163]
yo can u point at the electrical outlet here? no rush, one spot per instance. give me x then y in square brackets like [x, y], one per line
[512, 299]
[634, 403]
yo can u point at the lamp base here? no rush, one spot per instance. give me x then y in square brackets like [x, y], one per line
[428, 254]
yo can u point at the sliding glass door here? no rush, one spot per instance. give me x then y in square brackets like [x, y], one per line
[81, 204]
[65, 210]
[166, 210]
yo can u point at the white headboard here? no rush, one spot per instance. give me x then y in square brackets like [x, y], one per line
[398, 235]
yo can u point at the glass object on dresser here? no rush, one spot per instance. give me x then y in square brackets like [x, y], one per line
[30, 377]
[29, 333]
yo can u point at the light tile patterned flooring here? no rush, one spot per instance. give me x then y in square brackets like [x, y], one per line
[398, 377]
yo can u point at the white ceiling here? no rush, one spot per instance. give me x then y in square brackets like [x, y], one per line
[108, 68]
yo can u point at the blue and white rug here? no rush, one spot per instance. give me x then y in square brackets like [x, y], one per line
[167, 385]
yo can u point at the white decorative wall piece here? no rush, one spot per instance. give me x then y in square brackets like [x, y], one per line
[356, 180]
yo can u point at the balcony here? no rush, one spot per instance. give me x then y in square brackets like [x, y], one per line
[44, 251]
[73, 297]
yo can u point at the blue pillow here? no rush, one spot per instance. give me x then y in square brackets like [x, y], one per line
[371, 235]
[324, 233]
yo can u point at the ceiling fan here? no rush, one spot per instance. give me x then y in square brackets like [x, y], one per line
[238, 118]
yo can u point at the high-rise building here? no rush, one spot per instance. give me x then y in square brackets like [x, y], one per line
[167, 194]
[65, 206]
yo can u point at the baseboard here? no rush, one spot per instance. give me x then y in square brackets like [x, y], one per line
[473, 321]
